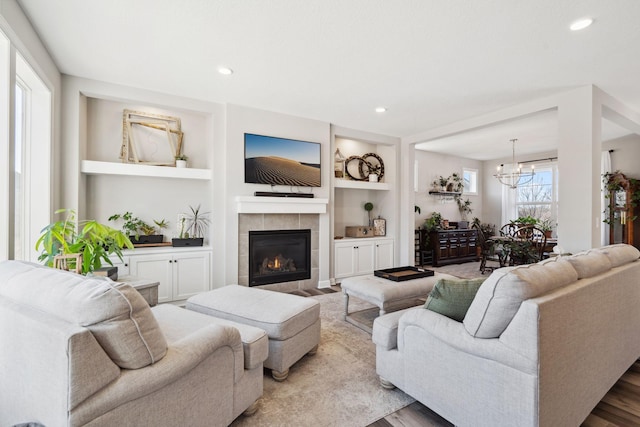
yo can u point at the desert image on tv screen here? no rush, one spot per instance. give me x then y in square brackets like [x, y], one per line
[279, 161]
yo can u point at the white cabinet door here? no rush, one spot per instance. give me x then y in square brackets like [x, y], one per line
[157, 268]
[364, 254]
[384, 254]
[191, 274]
[344, 265]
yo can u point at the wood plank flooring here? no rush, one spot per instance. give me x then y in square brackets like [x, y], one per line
[620, 407]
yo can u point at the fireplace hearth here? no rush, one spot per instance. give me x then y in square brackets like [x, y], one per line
[279, 256]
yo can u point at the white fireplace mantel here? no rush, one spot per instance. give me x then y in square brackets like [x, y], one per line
[281, 205]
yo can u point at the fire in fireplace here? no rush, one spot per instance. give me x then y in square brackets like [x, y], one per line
[279, 256]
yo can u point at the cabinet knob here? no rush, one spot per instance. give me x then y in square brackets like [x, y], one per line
[126, 265]
[170, 261]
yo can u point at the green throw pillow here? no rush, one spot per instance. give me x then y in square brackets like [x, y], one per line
[452, 297]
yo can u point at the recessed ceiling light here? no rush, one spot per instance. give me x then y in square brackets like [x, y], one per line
[581, 24]
[225, 71]
[381, 109]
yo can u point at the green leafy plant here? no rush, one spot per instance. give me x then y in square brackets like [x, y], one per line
[161, 224]
[133, 225]
[546, 224]
[464, 206]
[94, 241]
[525, 220]
[433, 222]
[417, 209]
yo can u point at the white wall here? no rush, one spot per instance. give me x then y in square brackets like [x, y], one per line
[430, 167]
[625, 156]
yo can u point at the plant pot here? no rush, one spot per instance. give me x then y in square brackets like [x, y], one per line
[181, 163]
[192, 241]
[143, 240]
[463, 225]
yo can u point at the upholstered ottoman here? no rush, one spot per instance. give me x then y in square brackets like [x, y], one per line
[384, 292]
[291, 322]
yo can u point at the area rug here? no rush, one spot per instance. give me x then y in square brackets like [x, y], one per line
[337, 386]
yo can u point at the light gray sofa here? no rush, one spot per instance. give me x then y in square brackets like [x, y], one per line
[540, 345]
[86, 351]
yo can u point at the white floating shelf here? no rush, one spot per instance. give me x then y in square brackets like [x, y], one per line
[361, 185]
[281, 205]
[92, 167]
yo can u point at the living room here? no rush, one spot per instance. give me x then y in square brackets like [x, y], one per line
[80, 167]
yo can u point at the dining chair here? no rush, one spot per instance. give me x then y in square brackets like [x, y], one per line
[489, 253]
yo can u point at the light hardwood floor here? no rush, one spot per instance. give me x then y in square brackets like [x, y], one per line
[620, 407]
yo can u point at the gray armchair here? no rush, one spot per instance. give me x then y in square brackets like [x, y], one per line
[87, 351]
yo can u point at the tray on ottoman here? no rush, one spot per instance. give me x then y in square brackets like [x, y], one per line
[400, 274]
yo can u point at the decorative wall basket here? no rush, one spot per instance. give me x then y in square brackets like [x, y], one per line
[359, 168]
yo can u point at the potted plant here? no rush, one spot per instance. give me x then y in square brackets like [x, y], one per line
[192, 228]
[431, 224]
[546, 225]
[94, 242]
[442, 181]
[140, 233]
[464, 206]
[369, 207]
[181, 161]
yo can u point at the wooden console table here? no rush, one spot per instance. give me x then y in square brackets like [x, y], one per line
[453, 246]
[147, 288]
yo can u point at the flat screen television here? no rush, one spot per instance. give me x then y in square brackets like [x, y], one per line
[281, 161]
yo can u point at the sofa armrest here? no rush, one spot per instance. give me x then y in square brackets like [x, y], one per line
[385, 329]
[455, 335]
[182, 356]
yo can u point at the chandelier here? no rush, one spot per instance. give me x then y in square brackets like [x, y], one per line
[515, 176]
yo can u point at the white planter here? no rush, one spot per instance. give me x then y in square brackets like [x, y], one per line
[181, 163]
[373, 177]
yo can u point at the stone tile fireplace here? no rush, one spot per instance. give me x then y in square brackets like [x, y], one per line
[275, 222]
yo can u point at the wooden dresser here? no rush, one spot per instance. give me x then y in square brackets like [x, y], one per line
[453, 246]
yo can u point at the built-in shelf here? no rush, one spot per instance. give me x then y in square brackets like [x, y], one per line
[361, 185]
[248, 204]
[92, 167]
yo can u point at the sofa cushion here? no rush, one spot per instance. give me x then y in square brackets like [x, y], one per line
[452, 297]
[620, 254]
[116, 314]
[589, 263]
[500, 296]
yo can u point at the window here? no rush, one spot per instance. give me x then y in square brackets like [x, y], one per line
[19, 235]
[538, 198]
[470, 181]
[25, 193]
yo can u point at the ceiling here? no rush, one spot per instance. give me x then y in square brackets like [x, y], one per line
[429, 62]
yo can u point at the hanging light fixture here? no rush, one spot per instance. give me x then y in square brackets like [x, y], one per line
[515, 176]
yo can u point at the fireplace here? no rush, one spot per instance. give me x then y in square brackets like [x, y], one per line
[279, 256]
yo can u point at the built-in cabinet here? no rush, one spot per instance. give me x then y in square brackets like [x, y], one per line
[453, 246]
[354, 257]
[180, 272]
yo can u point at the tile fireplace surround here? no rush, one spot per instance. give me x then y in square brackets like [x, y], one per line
[253, 222]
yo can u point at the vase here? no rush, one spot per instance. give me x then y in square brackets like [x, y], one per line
[181, 163]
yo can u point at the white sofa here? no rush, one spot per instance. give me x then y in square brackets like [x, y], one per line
[540, 345]
[76, 350]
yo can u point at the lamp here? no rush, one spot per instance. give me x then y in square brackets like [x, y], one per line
[515, 176]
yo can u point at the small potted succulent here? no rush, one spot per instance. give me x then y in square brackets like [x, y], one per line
[181, 161]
